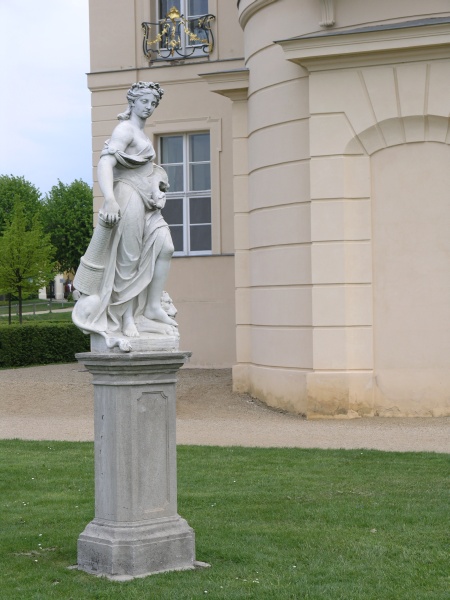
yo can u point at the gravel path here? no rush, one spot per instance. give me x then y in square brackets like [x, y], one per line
[55, 402]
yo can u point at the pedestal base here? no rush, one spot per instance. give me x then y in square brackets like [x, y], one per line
[146, 342]
[128, 550]
[136, 530]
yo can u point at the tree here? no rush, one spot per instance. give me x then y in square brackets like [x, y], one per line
[12, 187]
[67, 217]
[26, 256]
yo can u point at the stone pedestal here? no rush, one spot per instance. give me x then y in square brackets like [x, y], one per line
[136, 530]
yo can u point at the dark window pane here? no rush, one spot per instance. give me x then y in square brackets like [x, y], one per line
[197, 7]
[200, 177]
[199, 147]
[199, 32]
[172, 149]
[175, 175]
[173, 211]
[177, 237]
[199, 210]
[200, 238]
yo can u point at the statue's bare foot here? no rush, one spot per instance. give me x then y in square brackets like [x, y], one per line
[159, 314]
[130, 329]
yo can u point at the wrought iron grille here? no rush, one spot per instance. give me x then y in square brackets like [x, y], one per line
[176, 37]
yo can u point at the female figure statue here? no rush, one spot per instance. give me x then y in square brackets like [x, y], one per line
[122, 275]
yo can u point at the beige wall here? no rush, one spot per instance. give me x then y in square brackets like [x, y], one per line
[349, 13]
[328, 160]
[327, 116]
[411, 250]
[202, 288]
[358, 115]
[116, 34]
[274, 333]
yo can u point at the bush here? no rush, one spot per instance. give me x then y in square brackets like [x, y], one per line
[41, 343]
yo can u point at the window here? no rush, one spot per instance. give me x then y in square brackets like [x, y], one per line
[192, 11]
[186, 158]
[182, 29]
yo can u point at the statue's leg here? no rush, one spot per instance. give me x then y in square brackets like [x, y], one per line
[153, 309]
[127, 260]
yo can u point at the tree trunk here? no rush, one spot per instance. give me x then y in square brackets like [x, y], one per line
[20, 304]
[9, 309]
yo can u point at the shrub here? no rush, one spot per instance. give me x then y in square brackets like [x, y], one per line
[41, 343]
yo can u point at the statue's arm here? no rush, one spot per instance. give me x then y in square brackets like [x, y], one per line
[110, 211]
[120, 140]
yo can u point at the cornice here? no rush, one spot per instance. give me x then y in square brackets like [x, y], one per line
[166, 76]
[232, 84]
[371, 45]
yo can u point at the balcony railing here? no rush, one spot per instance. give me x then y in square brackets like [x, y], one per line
[176, 37]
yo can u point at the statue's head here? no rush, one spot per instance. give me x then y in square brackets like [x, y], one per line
[140, 89]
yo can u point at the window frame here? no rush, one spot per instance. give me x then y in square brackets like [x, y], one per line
[186, 194]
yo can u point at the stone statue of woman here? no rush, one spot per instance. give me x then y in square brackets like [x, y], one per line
[122, 275]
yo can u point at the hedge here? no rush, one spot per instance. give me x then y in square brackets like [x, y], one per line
[41, 343]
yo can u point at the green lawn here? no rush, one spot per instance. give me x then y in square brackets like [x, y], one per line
[274, 524]
[53, 316]
[29, 306]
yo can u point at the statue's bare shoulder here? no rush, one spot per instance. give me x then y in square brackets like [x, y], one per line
[122, 136]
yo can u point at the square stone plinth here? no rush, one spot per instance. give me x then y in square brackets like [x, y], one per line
[128, 550]
[136, 530]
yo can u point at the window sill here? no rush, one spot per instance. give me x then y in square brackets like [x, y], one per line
[201, 255]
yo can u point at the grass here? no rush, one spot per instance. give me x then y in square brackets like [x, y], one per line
[53, 316]
[274, 524]
[30, 306]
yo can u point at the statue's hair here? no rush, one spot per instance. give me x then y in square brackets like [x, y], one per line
[137, 90]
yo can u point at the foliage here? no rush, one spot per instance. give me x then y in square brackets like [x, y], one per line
[26, 263]
[12, 187]
[273, 523]
[40, 343]
[67, 217]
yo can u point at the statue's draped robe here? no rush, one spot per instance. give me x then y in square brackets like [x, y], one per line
[136, 242]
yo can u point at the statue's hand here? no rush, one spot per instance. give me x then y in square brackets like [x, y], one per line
[159, 199]
[110, 211]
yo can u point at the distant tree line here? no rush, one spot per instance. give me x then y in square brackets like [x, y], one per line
[41, 236]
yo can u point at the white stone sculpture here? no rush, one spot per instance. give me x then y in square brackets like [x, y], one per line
[122, 275]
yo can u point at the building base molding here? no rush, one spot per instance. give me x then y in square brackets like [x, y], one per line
[346, 394]
[284, 389]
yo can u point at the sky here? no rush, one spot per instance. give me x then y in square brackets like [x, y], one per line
[45, 117]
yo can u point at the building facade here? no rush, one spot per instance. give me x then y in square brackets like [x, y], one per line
[191, 133]
[317, 262]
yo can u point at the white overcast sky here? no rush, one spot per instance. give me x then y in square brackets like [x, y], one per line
[44, 100]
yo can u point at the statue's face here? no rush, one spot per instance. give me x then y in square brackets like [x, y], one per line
[144, 105]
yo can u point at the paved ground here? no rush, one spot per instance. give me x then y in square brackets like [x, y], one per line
[55, 403]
